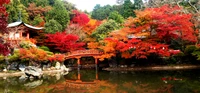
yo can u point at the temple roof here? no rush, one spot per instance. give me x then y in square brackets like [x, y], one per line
[27, 25]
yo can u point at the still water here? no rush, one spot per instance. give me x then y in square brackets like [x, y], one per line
[92, 81]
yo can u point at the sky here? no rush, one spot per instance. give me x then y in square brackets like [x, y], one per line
[90, 4]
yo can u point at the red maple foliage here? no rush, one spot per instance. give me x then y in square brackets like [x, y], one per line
[172, 23]
[4, 47]
[79, 18]
[64, 42]
[141, 49]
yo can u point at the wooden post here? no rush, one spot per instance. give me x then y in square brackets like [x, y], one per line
[78, 61]
[96, 63]
[78, 68]
[20, 34]
[27, 35]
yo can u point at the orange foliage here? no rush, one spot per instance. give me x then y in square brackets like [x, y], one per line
[91, 26]
[93, 45]
[57, 58]
[33, 54]
[32, 40]
[108, 49]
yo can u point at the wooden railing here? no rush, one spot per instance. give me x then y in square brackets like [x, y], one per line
[84, 52]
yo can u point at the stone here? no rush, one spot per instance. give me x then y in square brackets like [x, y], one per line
[57, 65]
[5, 70]
[63, 68]
[22, 67]
[13, 66]
[33, 71]
[53, 68]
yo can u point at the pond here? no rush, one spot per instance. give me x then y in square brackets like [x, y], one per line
[92, 81]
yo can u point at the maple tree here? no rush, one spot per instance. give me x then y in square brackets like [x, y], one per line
[79, 18]
[33, 10]
[150, 32]
[4, 46]
[64, 42]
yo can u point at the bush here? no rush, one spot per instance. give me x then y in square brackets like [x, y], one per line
[45, 48]
[14, 57]
[190, 49]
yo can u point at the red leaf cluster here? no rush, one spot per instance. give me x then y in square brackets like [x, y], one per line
[4, 47]
[79, 18]
[2, 2]
[64, 42]
[172, 23]
[141, 49]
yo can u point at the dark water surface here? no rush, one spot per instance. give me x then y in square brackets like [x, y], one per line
[91, 81]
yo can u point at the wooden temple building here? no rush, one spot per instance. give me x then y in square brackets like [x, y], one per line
[19, 31]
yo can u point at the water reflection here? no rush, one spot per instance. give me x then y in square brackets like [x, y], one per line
[92, 81]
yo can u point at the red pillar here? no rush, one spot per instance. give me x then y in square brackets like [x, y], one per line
[96, 62]
[78, 68]
[20, 34]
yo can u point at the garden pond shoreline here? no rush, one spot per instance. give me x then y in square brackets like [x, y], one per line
[150, 68]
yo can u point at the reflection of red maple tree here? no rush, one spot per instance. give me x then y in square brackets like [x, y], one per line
[79, 18]
[64, 42]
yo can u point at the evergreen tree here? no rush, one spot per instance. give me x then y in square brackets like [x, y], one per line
[37, 20]
[52, 26]
[59, 13]
[138, 4]
[17, 11]
[128, 9]
[101, 13]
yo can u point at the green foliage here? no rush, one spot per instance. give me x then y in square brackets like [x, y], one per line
[190, 49]
[27, 2]
[101, 13]
[52, 26]
[1, 58]
[42, 3]
[59, 14]
[14, 57]
[116, 16]
[196, 53]
[37, 20]
[104, 29]
[69, 6]
[138, 4]
[128, 9]
[17, 11]
[45, 48]
[26, 44]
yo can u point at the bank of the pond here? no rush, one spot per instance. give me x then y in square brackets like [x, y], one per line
[177, 67]
[19, 73]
